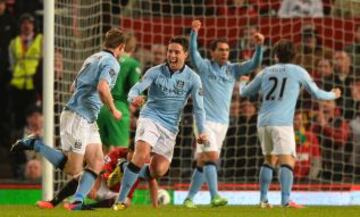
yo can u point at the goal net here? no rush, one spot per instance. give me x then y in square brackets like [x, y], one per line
[327, 133]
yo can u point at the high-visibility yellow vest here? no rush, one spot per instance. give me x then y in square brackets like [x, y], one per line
[25, 63]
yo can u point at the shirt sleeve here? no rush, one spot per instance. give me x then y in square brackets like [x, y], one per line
[252, 88]
[109, 71]
[248, 66]
[313, 89]
[197, 94]
[196, 58]
[142, 85]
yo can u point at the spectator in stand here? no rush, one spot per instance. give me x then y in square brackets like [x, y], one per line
[33, 171]
[324, 75]
[248, 141]
[27, 6]
[158, 56]
[308, 158]
[310, 50]
[354, 153]
[34, 125]
[245, 46]
[7, 32]
[308, 54]
[25, 52]
[301, 8]
[355, 158]
[343, 79]
[355, 94]
[346, 8]
[333, 134]
[236, 7]
[353, 50]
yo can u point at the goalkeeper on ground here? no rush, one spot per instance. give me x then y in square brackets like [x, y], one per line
[106, 187]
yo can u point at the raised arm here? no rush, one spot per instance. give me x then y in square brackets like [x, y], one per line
[252, 88]
[196, 58]
[134, 94]
[250, 65]
[316, 92]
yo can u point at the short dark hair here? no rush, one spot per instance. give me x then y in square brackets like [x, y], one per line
[214, 43]
[184, 42]
[284, 50]
[28, 17]
[32, 109]
[113, 38]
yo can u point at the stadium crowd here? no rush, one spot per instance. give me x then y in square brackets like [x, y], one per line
[327, 133]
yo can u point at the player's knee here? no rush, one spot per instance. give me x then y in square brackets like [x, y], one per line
[211, 156]
[159, 171]
[96, 165]
[74, 170]
[288, 166]
[210, 163]
[91, 172]
[140, 159]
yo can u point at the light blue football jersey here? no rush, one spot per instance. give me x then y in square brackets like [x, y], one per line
[85, 100]
[279, 86]
[168, 94]
[219, 81]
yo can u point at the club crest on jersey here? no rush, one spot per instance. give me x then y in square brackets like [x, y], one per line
[180, 84]
[201, 92]
[77, 144]
[112, 73]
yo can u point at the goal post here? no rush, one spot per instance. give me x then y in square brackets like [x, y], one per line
[48, 96]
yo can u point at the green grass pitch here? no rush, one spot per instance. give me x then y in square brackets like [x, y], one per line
[178, 211]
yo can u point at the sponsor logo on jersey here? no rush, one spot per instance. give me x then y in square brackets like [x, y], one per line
[112, 73]
[180, 84]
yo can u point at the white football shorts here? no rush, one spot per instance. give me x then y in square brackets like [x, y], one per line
[76, 132]
[160, 139]
[216, 133]
[277, 140]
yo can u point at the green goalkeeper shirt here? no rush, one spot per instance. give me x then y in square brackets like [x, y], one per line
[129, 74]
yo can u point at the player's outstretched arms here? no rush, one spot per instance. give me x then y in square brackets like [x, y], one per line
[259, 38]
[196, 58]
[337, 92]
[196, 25]
[252, 88]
